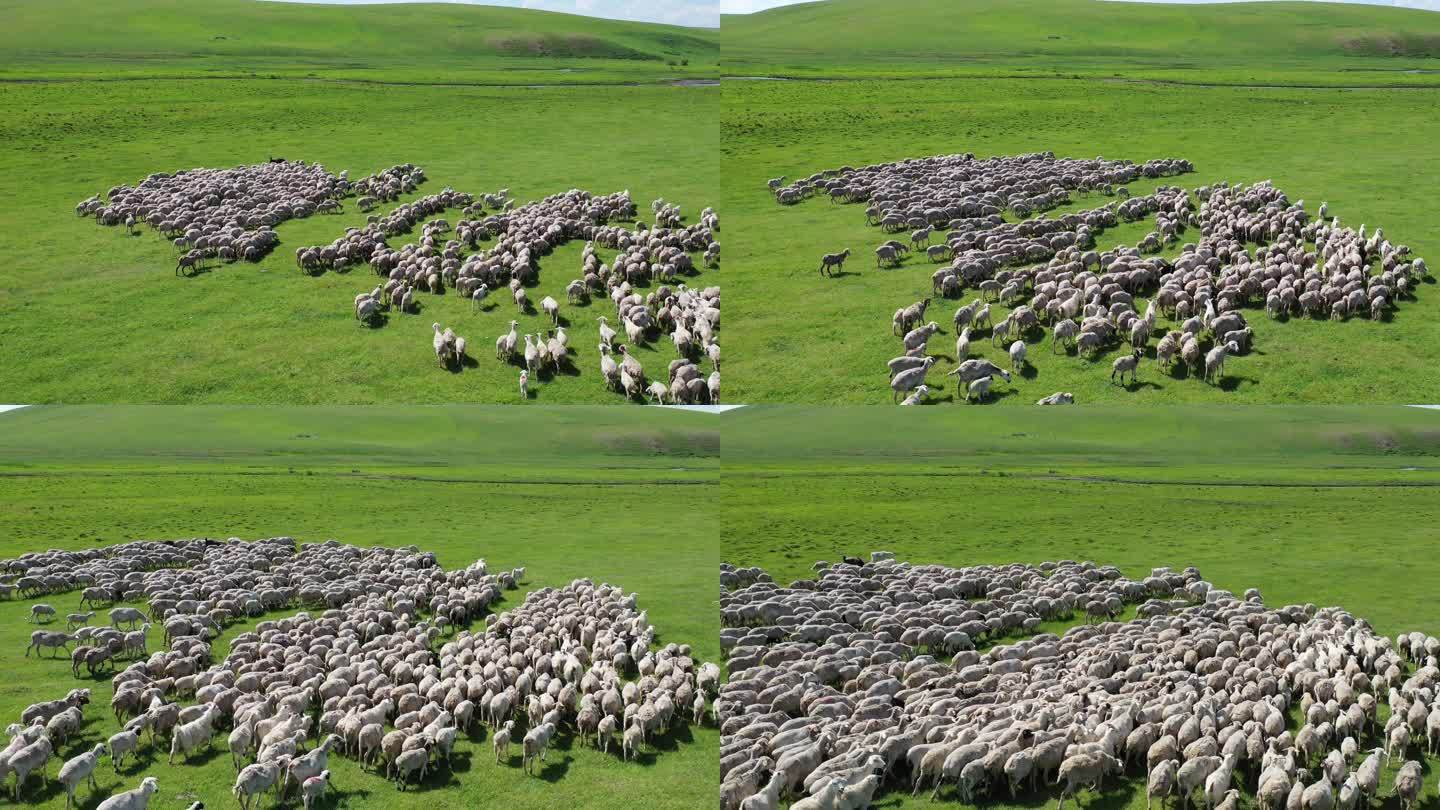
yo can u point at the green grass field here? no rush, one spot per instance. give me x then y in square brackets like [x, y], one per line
[390, 43]
[568, 492]
[1309, 504]
[1233, 43]
[798, 337]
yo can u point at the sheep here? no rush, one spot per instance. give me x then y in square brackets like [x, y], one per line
[536, 744]
[192, 735]
[524, 384]
[410, 762]
[917, 396]
[605, 733]
[1127, 363]
[134, 799]
[1215, 361]
[1409, 784]
[255, 779]
[551, 307]
[41, 610]
[79, 769]
[908, 380]
[835, 260]
[122, 744]
[1017, 356]
[630, 742]
[978, 389]
[312, 790]
[27, 760]
[501, 741]
[1161, 782]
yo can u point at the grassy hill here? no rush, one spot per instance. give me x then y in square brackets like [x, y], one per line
[1267, 42]
[573, 492]
[398, 42]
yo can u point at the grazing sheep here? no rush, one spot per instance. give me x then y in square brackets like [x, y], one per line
[38, 611]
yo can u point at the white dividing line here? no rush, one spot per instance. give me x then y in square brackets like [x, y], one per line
[4, 408]
[701, 408]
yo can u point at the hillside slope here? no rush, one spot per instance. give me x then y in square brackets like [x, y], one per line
[396, 42]
[1232, 41]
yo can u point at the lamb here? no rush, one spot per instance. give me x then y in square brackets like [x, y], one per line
[551, 307]
[122, 744]
[978, 389]
[192, 735]
[524, 384]
[1057, 398]
[1128, 363]
[605, 732]
[917, 396]
[37, 611]
[134, 799]
[501, 741]
[312, 790]
[77, 770]
[835, 260]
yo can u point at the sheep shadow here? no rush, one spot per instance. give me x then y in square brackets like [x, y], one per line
[839, 274]
[1029, 371]
[1230, 382]
[554, 770]
[485, 306]
[1136, 385]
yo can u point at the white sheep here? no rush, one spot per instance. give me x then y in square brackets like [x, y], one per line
[257, 778]
[192, 735]
[121, 745]
[536, 745]
[29, 759]
[502, 741]
[312, 790]
[79, 769]
[135, 799]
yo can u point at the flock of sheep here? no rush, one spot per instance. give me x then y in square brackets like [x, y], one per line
[231, 214]
[880, 675]
[371, 667]
[1047, 272]
[672, 312]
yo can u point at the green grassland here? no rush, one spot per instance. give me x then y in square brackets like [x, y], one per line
[798, 337]
[401, 42]
[1234, 43]
[88, 314]
[1308, 504]
[567, 492]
